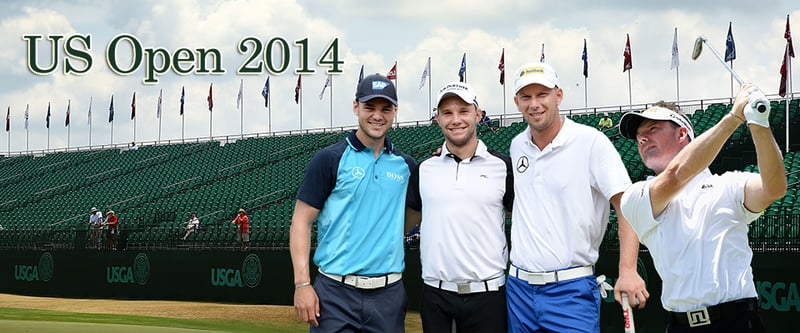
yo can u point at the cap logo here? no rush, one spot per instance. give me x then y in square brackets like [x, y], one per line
[531, 70]
[379, 85]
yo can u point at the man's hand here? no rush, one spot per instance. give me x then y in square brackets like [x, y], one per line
[306, 304]
[633, 285]
[755, 98]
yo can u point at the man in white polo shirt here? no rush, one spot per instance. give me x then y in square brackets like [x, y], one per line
[565, 175]
[462, 194]
[695, 223]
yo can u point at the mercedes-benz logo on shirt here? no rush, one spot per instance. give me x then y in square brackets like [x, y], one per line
[358, 173]
[522, 164]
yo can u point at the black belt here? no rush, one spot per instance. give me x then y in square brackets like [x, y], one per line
[705, 316]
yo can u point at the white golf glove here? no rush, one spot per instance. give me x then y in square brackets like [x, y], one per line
[751, 112]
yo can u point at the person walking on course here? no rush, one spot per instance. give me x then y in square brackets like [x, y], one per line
[695, 223]
[463, 194]
[356, 191]
[565, 175]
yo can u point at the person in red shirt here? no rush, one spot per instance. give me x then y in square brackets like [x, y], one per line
[243, 234]
[113, 230]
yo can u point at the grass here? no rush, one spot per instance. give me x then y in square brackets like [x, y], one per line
[14, 320]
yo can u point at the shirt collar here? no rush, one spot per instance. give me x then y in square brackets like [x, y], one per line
[354, 142]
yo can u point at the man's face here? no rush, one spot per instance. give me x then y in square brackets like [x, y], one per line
[458, 120]
[375, 117]
[539, 105]
[658, 142]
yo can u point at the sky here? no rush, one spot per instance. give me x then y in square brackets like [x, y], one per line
[372, 34]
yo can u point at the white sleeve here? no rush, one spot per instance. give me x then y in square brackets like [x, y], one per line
[637, 209]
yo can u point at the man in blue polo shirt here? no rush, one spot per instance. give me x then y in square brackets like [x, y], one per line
[356, 190]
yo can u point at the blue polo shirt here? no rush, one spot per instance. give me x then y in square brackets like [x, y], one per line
[362, 204]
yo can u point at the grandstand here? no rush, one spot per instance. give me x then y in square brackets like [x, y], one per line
[46, 197]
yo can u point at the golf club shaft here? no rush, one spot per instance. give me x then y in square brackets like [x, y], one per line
[736, 76]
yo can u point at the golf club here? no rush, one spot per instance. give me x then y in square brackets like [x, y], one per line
[761, 104]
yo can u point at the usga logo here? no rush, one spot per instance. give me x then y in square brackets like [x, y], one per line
[41, 272]
[138, 273]
[249, 275]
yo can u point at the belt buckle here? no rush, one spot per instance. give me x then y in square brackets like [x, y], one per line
[463, 288]
[363, 282]
[537, 278]
[698, 317]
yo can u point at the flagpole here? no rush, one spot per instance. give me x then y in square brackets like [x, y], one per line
[241, 108]
[269, 112]
[68, 125]
[90, 122]
[430, 78]
[586, 94]
[788, 96]
[158, 113]
[27, 131]
[331, 102]
[630, 94]
[731, 81]
[183, 123]
[678, 84]
[112, 134]
[300, 100]
[396, 115]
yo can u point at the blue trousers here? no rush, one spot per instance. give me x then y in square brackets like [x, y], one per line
[567, 306]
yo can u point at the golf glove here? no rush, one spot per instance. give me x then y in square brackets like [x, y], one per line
[751, 112]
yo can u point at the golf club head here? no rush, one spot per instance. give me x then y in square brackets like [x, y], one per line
[698, 46]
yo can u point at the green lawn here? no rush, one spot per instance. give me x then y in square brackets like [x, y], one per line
[14, 320]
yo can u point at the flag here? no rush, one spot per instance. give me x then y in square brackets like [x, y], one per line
[502, 67]
[66, 122]
[183, 96]
[784, 70]
[327, 84]
[585, 58]
[628, 63]
[675, 61]
[425, 73]
[392, 75]
[133, 106]
[47, 123]
[297, 90]
[788, 36]
[8, 119]
[730, 46]
[265, 93]
[111, 110]
[360, 75]
[462, 71]
[158, 108]
[210, 98]
[27, 108]
[240, 95]
[89, 117]
[541, 58]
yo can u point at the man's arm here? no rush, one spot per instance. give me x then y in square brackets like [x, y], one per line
[696, 156]
[629, 281]
[760, 192]
[306, 302]
[413, 217]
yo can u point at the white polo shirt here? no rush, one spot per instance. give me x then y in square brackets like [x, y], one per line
[699, 243]
[462, 234]
[562, 194]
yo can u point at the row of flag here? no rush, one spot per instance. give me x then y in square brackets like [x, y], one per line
[730, 55]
